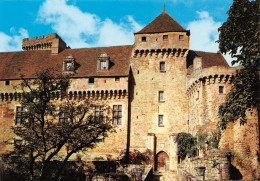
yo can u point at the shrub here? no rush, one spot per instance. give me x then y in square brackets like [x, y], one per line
[187, 145]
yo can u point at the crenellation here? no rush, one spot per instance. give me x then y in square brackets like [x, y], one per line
[162, 87]
[51, 42]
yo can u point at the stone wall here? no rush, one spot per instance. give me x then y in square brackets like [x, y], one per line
[217, 166]
[51, 42]
[147, 80]
[204, 100]
[117, 94]
[242, 141]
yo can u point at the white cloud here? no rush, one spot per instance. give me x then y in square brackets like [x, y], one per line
[83, 29]
[12, 42]
[204, 34]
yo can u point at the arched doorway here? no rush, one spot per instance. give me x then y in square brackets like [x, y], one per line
[162, 162]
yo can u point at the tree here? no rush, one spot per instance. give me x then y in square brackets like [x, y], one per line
[187, 145]
[52, 130]
[240, 37]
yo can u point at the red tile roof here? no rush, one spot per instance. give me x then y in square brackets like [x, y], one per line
[28, 63]
[211, 59]
[162, 23]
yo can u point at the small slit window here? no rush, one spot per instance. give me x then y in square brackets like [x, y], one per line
[143, 38]
[161, 98]
[91, 80]
[181, 37]
[221, 89]
[165, 37]
[160, 120]
[162, 66]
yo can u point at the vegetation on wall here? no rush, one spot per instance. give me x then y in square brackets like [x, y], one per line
[240, 37]
[186, 145]
[137, 157]
[215, 138]
[47, 142]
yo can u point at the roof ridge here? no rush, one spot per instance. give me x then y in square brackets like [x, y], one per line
[162, 23]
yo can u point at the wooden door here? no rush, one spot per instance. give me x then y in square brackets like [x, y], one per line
[162, 162]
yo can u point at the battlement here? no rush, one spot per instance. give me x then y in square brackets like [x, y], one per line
[51, 42]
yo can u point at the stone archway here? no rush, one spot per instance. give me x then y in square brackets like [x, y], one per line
[162, 161]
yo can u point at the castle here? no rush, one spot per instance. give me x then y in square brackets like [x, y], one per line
[157, 88]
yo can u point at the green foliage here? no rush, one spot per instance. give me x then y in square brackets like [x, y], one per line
[187, 145]
[201, 139]
[240, 36]
[243, 95]
[215, 138]
[44, 136]
[137, 157]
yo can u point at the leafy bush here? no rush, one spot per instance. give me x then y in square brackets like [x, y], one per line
[137, 157]
[187, 145]
[215, 138]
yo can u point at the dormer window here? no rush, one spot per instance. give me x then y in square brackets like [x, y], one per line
[103, 62]
[103, 65]
[69, 64]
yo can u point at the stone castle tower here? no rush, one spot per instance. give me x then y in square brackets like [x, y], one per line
[159, 104]
[156, 89]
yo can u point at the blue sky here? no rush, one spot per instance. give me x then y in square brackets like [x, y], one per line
[91, 23]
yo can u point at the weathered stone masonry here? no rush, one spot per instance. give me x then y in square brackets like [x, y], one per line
[164, 88]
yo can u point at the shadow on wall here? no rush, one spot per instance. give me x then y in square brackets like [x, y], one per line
[235, 173]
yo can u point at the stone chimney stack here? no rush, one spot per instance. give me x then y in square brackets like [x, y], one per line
[51, 42]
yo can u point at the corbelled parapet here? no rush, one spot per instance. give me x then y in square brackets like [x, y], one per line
[51, 42]
[168, 52]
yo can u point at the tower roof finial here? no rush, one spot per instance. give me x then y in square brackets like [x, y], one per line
[164, 7]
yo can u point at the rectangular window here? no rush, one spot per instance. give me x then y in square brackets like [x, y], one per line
[161, 99]
[68, 66]
[160, 120]
[19, 117]
[165, 37]
[99, 113]
[143, 38]
[162, 66]
[7, 82]
[221, 89]
[91, 80]
[103, 65]
[181, 37]
[63, 117]
[117, 114]
[117, 79]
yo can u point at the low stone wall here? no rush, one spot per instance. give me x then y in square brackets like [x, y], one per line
[185, 176]
[216, 163]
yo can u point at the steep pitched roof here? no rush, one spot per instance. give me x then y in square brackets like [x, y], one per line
[162, 23]
[28, 63]
[209, 59]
